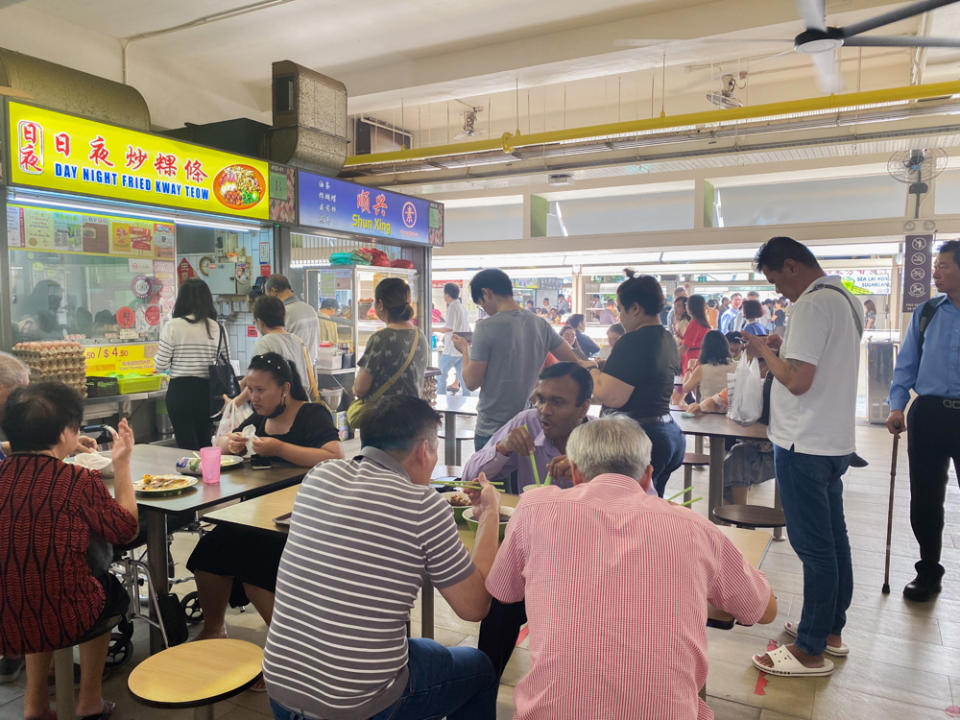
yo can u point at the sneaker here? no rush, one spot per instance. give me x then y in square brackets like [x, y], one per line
[10, 668]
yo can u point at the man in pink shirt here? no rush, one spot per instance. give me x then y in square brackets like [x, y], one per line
[616, 584]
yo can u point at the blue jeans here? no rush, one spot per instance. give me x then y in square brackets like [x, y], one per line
[811, 490]
[458, 683]
[448, 362]
[669, 446]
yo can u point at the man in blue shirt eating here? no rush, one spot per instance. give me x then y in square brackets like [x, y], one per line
[929, 364]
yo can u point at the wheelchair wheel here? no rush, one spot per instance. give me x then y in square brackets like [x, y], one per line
[119, 651]
[192, 611]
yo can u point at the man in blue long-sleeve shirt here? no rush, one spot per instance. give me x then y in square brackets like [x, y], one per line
[930, 367]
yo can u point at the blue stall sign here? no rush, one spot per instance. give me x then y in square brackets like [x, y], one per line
[331, 204]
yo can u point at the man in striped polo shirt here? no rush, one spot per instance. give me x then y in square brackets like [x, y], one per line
[364, 534]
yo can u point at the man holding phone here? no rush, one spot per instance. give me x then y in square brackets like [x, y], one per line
[507, 353]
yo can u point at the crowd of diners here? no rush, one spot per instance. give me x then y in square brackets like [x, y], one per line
[613, 581]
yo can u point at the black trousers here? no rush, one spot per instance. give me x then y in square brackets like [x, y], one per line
[499, 631]
[933, 437]
[188, 405]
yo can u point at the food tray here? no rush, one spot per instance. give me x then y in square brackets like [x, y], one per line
[148, 383]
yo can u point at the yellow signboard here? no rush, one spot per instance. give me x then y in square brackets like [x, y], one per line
[52, 150]
[107, 359]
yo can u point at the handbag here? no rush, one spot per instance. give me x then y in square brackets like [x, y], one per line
[223, 381]
[356, 408]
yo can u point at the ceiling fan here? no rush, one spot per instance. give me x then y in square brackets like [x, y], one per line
[821, 41]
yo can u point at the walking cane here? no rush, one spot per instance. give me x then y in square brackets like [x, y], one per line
[893, 477]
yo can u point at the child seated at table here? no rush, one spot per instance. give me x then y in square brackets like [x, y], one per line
[233, 565]
[51, 513]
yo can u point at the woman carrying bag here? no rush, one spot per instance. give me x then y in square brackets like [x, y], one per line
[395, 357]
[190, 343]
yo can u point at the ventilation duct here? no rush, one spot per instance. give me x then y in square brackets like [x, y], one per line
[309, 119]
[71, 91]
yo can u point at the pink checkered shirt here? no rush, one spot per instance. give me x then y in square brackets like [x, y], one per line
[616, 585]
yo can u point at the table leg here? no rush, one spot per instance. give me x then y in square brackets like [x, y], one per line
[715, 496]
[698, 444]
[426, 609]
[450, 445]
[157, 562]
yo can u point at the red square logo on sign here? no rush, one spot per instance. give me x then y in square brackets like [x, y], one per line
[251, 331]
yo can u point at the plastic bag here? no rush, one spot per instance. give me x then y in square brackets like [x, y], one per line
[746, 402]
[231, 419]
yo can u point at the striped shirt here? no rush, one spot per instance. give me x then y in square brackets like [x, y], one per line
[187, 350]
[362, 539]
[616, 584]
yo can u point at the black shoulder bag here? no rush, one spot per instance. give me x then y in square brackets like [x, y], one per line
[223, 381]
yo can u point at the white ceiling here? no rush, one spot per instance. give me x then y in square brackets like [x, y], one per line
[425, 53]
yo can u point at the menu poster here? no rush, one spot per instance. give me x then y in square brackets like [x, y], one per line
[165, 240]
[96, 234]
[67, 235]
[14, 227]
[38, 229]
[131, 239]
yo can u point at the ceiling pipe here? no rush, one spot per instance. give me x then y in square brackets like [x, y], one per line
[510, 142]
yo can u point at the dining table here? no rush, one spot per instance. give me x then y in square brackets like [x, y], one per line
[452, 407]
[238, 483]
[261, 514]
[718, 428]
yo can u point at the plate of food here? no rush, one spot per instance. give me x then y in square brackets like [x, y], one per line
[239, 187]
[459, 502]
[167, 484]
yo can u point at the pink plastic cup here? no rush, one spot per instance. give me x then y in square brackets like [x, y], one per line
[210, 464]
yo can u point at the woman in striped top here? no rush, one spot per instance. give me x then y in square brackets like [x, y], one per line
[189, 345]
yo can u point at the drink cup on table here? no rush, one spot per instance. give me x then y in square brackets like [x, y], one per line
[210, 464]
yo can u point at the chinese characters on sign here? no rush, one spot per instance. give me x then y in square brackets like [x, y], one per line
[129, 165]
[338, 205]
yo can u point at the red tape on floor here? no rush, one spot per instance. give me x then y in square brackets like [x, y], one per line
[522, 635]
[758, 689]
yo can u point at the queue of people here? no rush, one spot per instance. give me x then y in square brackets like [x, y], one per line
[336, 593]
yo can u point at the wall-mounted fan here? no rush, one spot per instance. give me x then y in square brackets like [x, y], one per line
[470, 128]
[915, 168]
[726, 98]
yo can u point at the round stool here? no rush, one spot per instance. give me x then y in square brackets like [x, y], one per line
[750, 516]
[196, 674]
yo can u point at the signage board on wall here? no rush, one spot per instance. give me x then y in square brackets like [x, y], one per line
[56, 151]
[916, 271]
[330, 204]
[869, 281]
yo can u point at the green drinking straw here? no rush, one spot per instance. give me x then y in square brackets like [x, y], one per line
[688, 489]
[533, 462]
[690, 502]
[547, 479]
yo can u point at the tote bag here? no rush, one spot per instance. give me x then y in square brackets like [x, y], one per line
[746, 403]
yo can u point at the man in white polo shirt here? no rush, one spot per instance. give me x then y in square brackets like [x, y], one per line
[812, 410]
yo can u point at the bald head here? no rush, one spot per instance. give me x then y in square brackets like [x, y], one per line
[13, 374]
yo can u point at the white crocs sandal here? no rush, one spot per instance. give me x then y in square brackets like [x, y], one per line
[785, 664]
[790, 628]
